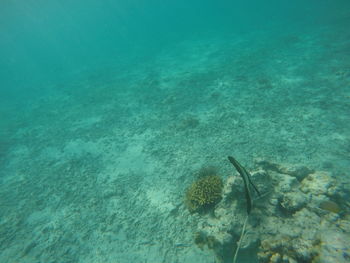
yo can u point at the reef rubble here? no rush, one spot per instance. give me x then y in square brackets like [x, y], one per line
[287, 224]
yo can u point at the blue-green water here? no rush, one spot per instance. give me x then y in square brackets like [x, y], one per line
[108, 110]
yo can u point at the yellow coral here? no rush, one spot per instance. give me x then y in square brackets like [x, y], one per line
[204, 192]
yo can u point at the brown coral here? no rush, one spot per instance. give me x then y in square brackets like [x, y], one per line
[204, 192]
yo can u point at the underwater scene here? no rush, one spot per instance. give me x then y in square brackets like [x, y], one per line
[180, 131]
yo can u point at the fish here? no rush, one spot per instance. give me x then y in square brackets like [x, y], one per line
[330, 206]
[247, 182]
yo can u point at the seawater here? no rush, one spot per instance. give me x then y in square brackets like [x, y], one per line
[109, 110]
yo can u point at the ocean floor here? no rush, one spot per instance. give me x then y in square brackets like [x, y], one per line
[96, 172]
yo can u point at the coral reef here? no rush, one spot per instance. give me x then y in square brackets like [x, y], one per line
[289, 223]
[286, 249]
[204, 192]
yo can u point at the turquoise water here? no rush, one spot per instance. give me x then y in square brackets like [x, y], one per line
[108, 110]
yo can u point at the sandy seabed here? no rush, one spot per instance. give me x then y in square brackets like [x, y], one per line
[97, 171]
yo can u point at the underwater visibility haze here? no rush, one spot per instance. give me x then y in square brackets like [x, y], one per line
[117, 119]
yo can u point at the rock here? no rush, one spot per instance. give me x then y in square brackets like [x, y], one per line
[275, 258]
[262, 180]
[228, 187]
[344, 225]
[303, 249]
[286, 183]
[266, 164]
[298, 171]
[319, 183]
[293, 201]
[286, 249]
[334, 247]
